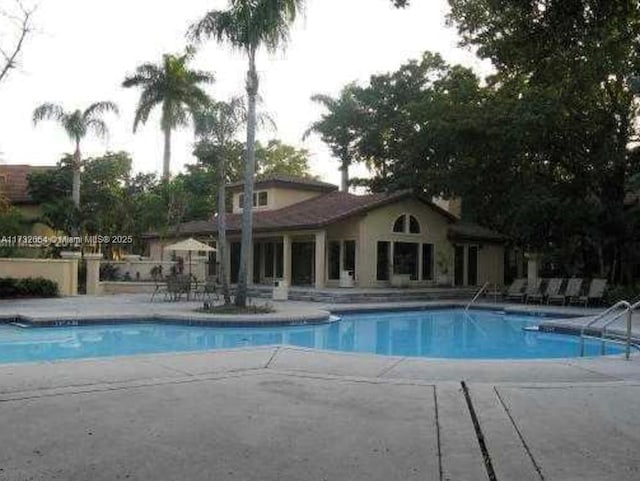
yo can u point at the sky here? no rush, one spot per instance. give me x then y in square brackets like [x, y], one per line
[83, 49]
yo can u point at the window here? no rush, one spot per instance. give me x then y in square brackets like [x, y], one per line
[399, 225]
[427, 262]
[414, 225]
[472, 266]
[3, 179]
[280, 261]
[405, 259]
[269, 258]
[406, 224]
[334, 260]
[383, 261]
[349, 256]
[260, 199]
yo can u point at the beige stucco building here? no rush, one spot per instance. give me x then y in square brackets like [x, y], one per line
[310, 234]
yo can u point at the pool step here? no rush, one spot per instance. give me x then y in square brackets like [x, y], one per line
[351, 296]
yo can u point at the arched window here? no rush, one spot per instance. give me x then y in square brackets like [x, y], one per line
[414, 225]
[406, 224]
[400, 225]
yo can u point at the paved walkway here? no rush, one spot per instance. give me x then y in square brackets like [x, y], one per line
[284, 413]
[291, 414]
[138, 306]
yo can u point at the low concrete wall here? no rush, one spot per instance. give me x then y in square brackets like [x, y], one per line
[110, 288]
[140, 270]
[63, 272]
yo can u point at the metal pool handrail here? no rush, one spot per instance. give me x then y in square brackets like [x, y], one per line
[478, 294]
[628, 309]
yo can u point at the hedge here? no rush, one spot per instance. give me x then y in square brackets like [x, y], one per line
[29, 287]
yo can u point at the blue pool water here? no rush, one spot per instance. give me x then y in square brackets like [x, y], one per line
[436, 333]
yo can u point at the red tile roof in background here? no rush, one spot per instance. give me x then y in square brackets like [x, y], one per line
[313, 213]
[13, 181]
[287, 181]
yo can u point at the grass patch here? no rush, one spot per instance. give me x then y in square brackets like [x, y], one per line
[232, 309]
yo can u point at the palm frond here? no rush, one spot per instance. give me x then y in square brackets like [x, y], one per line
[148, 100]
[216, 24]
[48, 111]
[145, 74]
[97, 109]
[266, 121]
[249, 24]
[98, 127]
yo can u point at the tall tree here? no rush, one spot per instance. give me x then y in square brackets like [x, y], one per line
[338, 127]
[279, 158]
[77, 125]
[16, 24]
[219, 124]
[579, 56]
[248, 25]
[216, 127]
[176, 88]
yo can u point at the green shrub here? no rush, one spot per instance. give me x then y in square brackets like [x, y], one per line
[29, 287]
[629, 293]
[8, 287]
[109, 272]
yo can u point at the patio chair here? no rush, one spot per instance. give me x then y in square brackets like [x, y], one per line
[160, 288]
[515, 289]
[574, 285]
[532, 289]
[551, 289]
[208, 291]
[178, 285]
[596, 292]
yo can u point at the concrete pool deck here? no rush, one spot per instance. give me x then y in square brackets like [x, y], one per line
[284, 413]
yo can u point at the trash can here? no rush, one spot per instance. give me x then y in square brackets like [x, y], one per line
[346, 279]
[280, 290]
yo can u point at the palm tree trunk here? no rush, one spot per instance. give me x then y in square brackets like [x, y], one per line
[249, 172]
[75, 190]
[166, 163]
[222, 229]
[344, 182]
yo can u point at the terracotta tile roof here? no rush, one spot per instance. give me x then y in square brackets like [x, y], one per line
[289, 181]
[313, 213]
[14, 183]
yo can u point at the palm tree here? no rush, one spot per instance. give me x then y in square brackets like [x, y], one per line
[337, 127]
[219, 123]
[248, 25]
[77, 125]
[174, 86]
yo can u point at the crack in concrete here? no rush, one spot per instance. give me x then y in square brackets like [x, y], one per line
[438, 436]
[593, 371]
[112, 388]
[486, 456]
[338, 377]
[274, 354]
[391, 367]
[537, 467]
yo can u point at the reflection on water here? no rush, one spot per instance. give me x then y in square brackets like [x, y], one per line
[444, 334]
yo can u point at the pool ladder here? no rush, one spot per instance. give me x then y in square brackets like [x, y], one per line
[478, 294]
[617, 311]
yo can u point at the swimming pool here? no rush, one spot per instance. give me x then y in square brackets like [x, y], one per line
[450, 333]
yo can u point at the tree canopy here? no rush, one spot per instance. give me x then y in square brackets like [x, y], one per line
[544, 163]
[176, 89]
